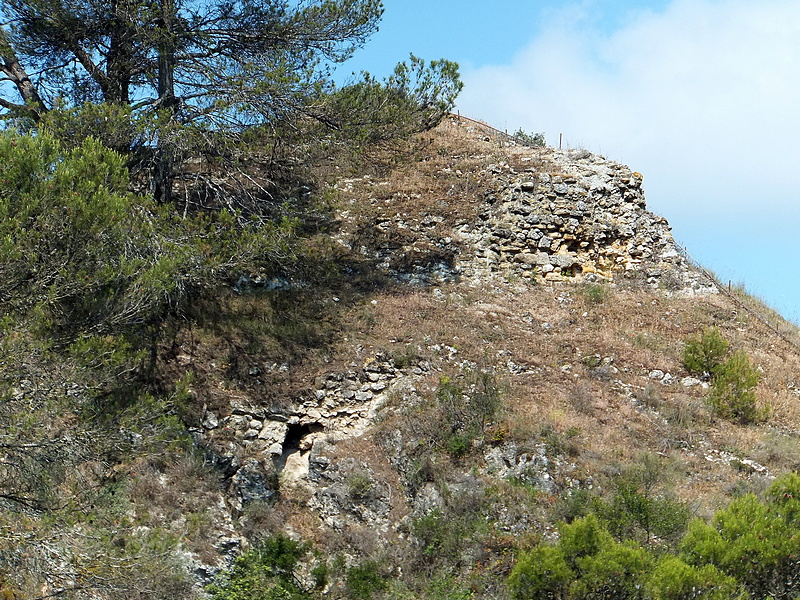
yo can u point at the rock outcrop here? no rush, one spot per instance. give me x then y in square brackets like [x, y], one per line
[576, 217]
[587, 219]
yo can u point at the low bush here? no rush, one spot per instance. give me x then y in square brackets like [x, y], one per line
[673, 579]
[365, 580]
[535, 140]
[753, 541]
[359, 485]
[267, 572]
[703, 354]
[732, 393]
[468, 406]
[617, 572]
[541, 573]
[641, 507]
[594, 293]
[733, 380]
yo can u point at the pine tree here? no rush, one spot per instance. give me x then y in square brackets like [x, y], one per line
[180, 77]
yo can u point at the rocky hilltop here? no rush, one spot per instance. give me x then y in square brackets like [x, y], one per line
[558, 215]
[574, 218]
[490, 346]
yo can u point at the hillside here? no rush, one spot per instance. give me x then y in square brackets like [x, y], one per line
[487, 342]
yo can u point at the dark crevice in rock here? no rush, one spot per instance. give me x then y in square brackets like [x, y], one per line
[293, 442]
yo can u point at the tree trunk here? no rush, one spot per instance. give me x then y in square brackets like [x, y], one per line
[19, 77]
[120, 53]
[164, 170]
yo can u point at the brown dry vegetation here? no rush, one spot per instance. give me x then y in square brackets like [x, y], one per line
[573, 363]
[552, 332]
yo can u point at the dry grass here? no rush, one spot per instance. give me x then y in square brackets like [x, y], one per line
[544, 342]
[570, 363]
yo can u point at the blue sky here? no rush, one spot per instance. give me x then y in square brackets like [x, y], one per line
[701, 96]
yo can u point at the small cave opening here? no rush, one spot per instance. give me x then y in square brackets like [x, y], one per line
[294, 441]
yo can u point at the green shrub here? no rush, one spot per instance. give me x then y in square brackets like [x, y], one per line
[673, 579]
[784, 496]
[702, 355]
[405, 357]
[458, 445]
[617, 572]
[359, 485]
[112, 560]
[731, 395]
[364, 580]
[641, 506]
[576, 503]
[443, 534]
[732, 380]
[413, 99]
[595, 293]
[436, 534]
[264, 573]
[535, 140]
[114, 125]
[540, 574]
[447, 588]
[583, 537]
[753, 541]
[95, 272]
[467, 407]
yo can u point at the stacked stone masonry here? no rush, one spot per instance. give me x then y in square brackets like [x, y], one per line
[587, 218]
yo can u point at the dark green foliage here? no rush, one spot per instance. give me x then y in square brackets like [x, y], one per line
[116, 126]
[92, 280]
[458, 445]
[264, 573]
[756, 542]
[733, 380]
[118, 560]
[702, 355]
[575, 504]
[414, 98]
[673, 579]
[365, 580]
[81, 255]
[561, 444]
[170, 81]
[731, 395]
[359, 485]
[640, 506]
[540, 574]
[207, 62]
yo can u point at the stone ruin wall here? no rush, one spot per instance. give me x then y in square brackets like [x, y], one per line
[585, 220]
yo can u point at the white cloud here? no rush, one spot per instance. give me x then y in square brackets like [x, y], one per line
[703, 98]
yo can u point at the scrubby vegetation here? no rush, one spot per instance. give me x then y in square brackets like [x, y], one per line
[749, 550]
[733, 379]
[182, 276]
